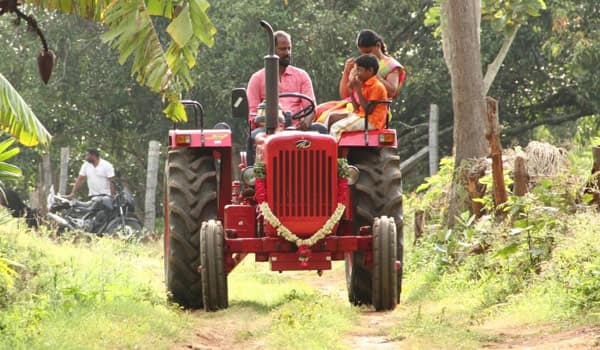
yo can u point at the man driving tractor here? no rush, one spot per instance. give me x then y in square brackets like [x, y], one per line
[291, 80]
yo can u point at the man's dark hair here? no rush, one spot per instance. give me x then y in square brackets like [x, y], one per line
[368, 61]
[93, 151]
[281, 34]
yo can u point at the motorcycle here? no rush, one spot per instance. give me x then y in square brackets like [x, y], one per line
[101, 215]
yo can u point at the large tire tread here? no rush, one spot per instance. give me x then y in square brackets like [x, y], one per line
[192, 195]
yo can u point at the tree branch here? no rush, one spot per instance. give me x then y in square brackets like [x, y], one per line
[548, 121]
[494, 67]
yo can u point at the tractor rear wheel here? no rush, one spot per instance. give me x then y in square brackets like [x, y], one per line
[192, 199]
[212, 262]
[384, 280]
[377, 193]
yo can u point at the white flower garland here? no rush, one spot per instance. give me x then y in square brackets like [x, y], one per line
[289, 236]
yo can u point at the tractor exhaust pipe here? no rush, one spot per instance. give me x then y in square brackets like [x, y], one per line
[271, 81]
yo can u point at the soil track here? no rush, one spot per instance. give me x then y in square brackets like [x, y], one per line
[215, 330]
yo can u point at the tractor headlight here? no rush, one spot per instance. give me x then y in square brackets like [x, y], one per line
[353, 174]
[248, 176]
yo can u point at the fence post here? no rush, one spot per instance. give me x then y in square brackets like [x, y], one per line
[64, 170]
[493, 127]
[47, 181]
[151, 180]
[433, 139]
[419, 225]
[521, 175]
[596, 174]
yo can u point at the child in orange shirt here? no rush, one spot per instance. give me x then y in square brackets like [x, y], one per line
[366, 87]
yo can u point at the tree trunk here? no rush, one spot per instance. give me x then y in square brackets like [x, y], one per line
[151, 179]
[460, 38]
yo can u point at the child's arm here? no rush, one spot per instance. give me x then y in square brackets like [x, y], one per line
[345, 91]
[362, 101]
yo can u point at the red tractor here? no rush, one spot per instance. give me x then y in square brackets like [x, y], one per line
[307, 201]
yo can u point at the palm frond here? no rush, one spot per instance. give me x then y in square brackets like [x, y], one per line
[132, 33]
[18, 120]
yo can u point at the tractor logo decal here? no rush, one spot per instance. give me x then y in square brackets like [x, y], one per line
[216, 136]
[303, 144]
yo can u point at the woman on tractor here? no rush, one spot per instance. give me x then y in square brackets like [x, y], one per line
[391, 73]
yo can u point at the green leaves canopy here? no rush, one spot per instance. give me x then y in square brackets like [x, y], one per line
[132, 32]
[17, 119]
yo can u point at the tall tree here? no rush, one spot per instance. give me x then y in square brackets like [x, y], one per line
[461, 46]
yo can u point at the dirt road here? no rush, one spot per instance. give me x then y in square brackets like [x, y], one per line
[244, 326]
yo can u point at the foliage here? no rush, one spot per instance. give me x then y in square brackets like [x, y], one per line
[8, 171]
[82, 293]
[306, 319]
[433, 191]
[17, 119]
[92, 100]
[504, 15]
[537, 263]
[131, 31]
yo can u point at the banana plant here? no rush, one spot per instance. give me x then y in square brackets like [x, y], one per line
[8, 171]
[131, 31]
[18, 120]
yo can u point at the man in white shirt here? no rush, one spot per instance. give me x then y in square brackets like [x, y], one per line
[99, 174]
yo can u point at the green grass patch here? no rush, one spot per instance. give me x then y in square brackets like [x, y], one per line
[291, 313]
[254, 285]
[441, 329]
[112, 325]
[311, 321]
[95, 294]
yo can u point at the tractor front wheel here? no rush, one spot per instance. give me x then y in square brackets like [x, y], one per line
[385, 277]
[214, 277]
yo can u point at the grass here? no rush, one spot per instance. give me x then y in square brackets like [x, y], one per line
[476, 303]
[87, 295]
[112, 292]
[112, 325]
[108, 294]
[286, 312]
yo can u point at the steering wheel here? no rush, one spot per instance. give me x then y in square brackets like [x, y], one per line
[306, 111]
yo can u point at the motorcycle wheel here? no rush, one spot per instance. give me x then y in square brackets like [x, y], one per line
[132, 228]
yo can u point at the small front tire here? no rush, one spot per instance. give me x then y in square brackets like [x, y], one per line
[385, 277]
[212, 263]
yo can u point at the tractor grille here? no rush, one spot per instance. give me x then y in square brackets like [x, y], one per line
[302, 183]
[301, 180]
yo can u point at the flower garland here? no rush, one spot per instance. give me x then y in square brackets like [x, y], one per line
[343, 168]
[259, 170]
[289, 236]
[282, 231]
